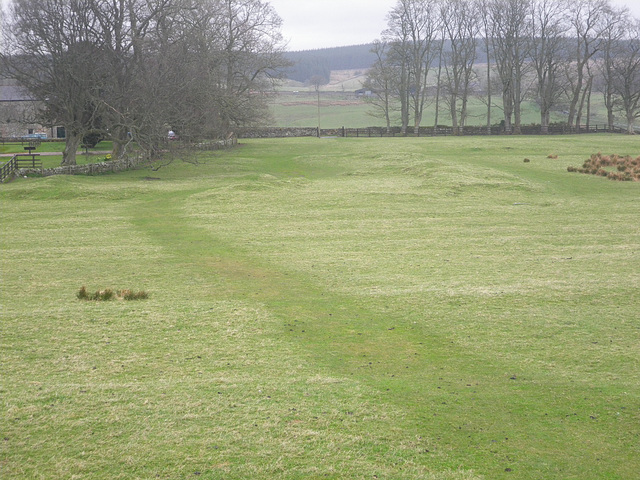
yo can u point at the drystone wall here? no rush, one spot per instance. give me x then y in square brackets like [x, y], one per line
[275, 132]
[111, 166]
[114, 166]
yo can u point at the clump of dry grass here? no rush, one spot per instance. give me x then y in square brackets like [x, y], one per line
[131, 295]
[628, 168]
[108, 294]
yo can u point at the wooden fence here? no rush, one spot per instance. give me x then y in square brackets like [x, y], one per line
[467, 131]
[369, 132]
[31, 161]
[7, 169]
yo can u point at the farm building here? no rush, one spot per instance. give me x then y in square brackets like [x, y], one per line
[17, 113]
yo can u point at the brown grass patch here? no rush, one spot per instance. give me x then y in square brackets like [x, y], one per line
[109, 294]
[627, 168]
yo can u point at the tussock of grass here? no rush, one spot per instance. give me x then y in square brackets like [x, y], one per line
[108, 294]
[627, 167]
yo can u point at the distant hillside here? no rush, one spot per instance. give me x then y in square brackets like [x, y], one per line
[321, 62]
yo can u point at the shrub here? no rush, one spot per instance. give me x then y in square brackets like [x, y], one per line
[92, 139]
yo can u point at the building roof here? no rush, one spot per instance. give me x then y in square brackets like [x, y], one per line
[13, 93]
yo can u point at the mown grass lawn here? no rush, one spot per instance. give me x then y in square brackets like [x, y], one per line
[327, 308]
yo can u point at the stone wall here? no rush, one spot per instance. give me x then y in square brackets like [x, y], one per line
[111, 166]
[276, 132]
[273, 132]
[229, 142]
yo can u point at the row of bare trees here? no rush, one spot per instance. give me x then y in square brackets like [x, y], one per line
[556, 53]
[130, 70]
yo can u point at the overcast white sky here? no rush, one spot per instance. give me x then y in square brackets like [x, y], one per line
[310, 24]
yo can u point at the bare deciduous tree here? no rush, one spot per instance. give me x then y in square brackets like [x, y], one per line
[485, 22]
[626, 84]
[549, 26]
[586, 19]
[381, 82]
[617, 25]
[511, 41]
[412, 36]
[135, 68]
[54, 53]
[460, 27]
[399, 55]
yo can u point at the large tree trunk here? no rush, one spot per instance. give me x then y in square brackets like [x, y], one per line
[631, 118]
[544, 122]
[589, 107]
[437, 110]
[610, 117]
[120, 140]
[488, 91]
[417, 111]
[454, 115]
[517, 101]
[583, 101]
[507, 101]
[70, 148]
[463, 113]
[517, 114]
[572, 121]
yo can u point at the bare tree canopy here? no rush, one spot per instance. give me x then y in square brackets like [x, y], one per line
[133, 69]
[554, 53]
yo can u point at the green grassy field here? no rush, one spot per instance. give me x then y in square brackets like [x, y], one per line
[45, 149]
[344, 109]
[327, 308]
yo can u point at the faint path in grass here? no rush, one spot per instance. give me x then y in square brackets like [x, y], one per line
[486, 405]
[439, 384]
[333, 334]
[332, 320]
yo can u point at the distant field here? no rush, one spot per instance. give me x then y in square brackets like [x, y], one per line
[339, 107]
[45, 149]
[408, 308]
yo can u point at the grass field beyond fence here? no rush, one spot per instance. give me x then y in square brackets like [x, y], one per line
[50, 153]
[408, 308]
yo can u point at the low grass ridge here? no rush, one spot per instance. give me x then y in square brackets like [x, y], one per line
[343, 308]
